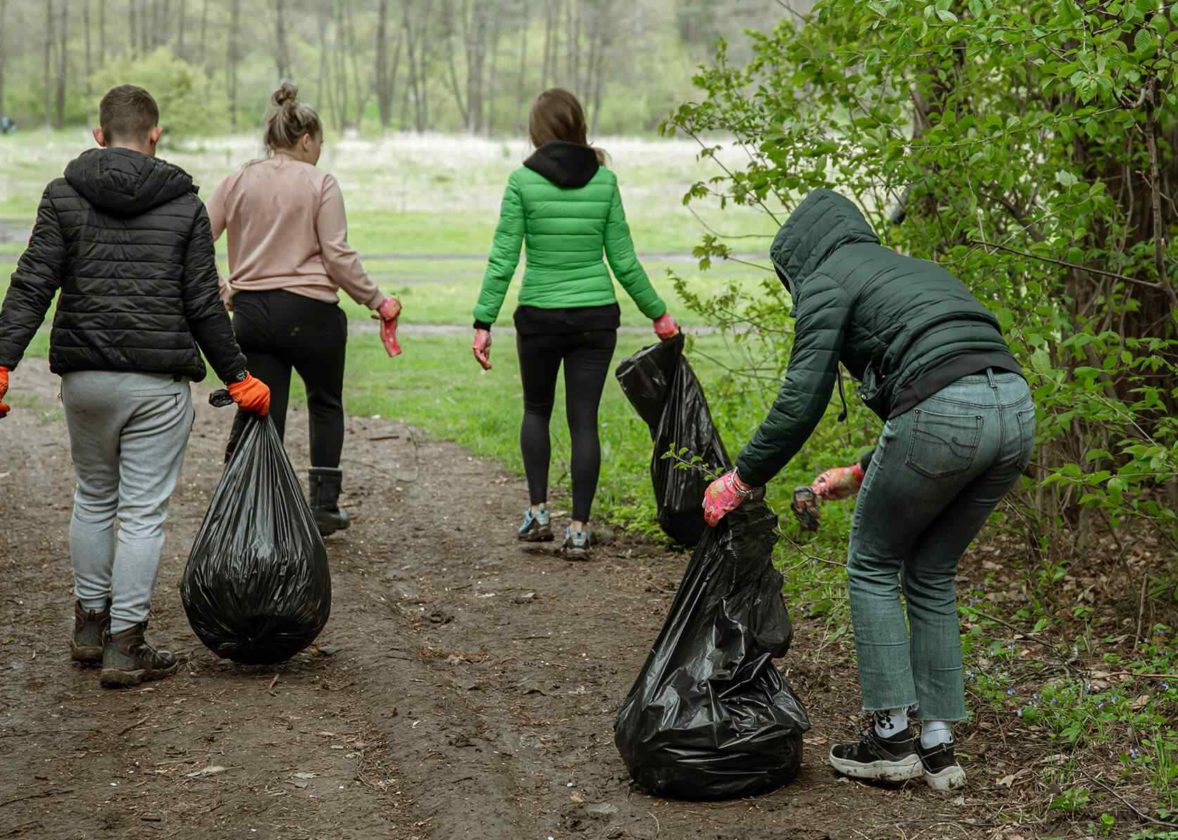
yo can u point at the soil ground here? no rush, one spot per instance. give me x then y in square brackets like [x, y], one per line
[463, 687]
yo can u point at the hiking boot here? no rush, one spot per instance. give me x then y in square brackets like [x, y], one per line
[537, 526]
[878, 759]
[325, 488]
[90, 627]
[127, 659]
[576, 544]
[941, 770]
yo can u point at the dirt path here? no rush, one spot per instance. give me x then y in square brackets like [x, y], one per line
[463, 687]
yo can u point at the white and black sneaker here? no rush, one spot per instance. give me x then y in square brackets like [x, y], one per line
[941, 770]
[878, 759]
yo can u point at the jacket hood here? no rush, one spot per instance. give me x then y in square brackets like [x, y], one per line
[565, 164]
[126, 182]
[821, 224]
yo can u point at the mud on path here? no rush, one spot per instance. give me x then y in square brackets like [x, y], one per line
[463, 687]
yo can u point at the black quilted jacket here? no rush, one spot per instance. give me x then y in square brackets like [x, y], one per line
[127, 241]
[903, 327]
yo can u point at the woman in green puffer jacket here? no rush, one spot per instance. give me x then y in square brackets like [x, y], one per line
[565, 205]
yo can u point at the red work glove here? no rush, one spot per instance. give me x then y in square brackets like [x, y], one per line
[482, 348]
[723, 496]
[4, 409]
[389, 312]
[665, 327]
[838, 483]
[251, 394]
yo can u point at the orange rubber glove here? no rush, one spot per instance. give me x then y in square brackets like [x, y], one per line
[723, 496]
[838, 483]
[665, 327]
[4, 409]
[251, 394]
[482, 348]
[389, 312]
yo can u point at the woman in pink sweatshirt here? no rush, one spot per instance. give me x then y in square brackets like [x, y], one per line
[288, 258]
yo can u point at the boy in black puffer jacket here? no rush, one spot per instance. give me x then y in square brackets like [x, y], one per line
[125, 239]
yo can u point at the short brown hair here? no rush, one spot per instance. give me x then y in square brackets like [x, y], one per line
[558, 115]
[127, 112]
[289, 119]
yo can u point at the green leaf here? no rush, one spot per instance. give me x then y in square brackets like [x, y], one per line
[1143, 42]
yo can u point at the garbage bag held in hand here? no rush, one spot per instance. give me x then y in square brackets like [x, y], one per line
[710, 716]
[662, 387]
[257, 588]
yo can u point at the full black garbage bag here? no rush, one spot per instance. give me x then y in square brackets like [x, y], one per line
[663, 388]
[710, 716]
[257, 588]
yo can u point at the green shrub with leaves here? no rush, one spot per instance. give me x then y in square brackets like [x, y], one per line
[189, 105]
[1034, 147]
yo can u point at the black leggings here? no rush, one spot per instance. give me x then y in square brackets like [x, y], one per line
[586, 357]
[280, 331]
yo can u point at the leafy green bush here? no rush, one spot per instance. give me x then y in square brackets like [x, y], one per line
[189, 105]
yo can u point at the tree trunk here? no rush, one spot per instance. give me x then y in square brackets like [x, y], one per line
[204, 31]
[231, 60]
[133, 12]
[521, 91]
[102, 31]
[353, 50]
[282, 48]
[47, 65]
[182, 14]
[86, 28]
[384, 92]
[3, 19]
[492, 77]
[62, 64]
[341, 66]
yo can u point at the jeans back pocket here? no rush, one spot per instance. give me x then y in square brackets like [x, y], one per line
[1026, 426]
[943, 445]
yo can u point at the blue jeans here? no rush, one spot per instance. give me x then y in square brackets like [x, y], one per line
[937, 474]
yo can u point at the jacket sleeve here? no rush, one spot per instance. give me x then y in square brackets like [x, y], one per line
[623, 261]
[34, 283]
[207, 318]
[340, 258]
[822, 314]
[501, 265]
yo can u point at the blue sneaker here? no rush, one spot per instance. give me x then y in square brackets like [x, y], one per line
[537, 527]
[576, 544]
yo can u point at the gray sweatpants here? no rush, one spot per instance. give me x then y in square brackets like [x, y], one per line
[128, 433]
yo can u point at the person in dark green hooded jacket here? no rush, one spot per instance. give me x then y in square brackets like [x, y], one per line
[959, 426]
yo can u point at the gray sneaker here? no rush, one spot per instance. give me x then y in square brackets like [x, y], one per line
[537, 526]
[576, 544]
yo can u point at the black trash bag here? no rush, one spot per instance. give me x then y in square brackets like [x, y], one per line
[257, 588]
[663, 388]
[710, 716]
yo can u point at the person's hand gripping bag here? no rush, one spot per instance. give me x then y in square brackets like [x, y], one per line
[257, 588]
[710, 716]
[665, 392]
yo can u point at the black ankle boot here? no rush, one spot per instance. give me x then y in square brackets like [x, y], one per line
[325, 488]
[90, 628]
[127, 659]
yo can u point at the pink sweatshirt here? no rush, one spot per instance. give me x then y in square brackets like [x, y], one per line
[288, 230]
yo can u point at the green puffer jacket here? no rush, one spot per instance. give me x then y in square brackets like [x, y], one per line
[905, 328]
[568, 210]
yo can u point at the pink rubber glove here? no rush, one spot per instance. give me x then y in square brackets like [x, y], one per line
[665, 327]
[4, 409]
[838, 483]
[389, 312]
[482, 348]
[723, 496]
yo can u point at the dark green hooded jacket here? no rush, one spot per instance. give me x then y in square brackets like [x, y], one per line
[904, 328]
